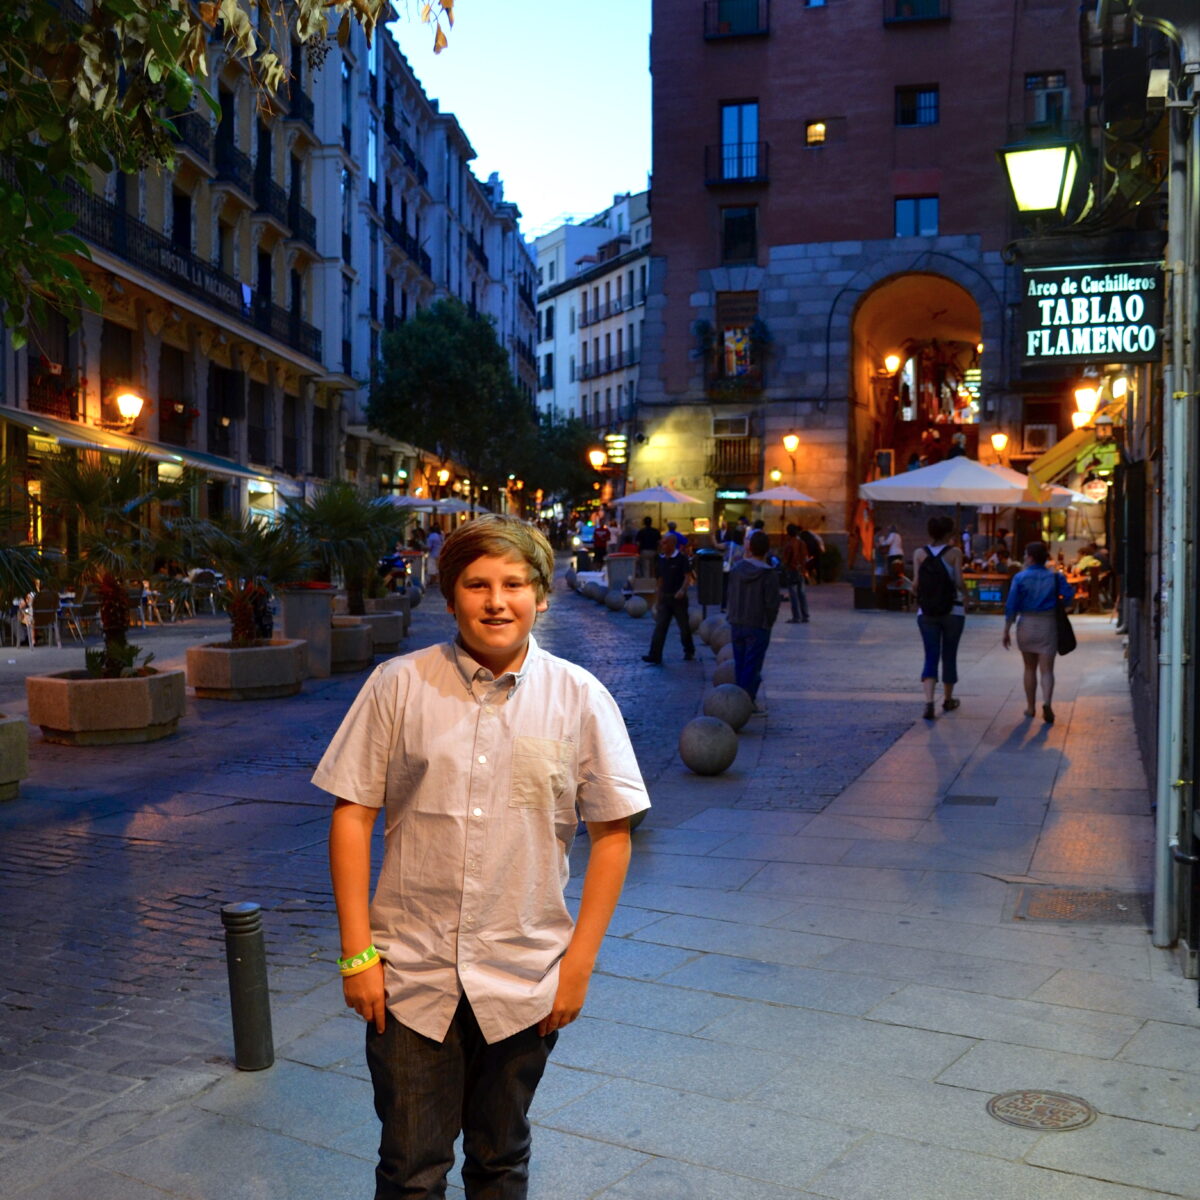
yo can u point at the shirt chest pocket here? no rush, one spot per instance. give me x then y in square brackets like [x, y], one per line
[541, 770]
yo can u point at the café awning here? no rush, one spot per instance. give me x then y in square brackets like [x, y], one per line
[1064, 454]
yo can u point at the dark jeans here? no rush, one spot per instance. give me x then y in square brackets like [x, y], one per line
[940, 635]
[426, 1092]
[799, 600]
[671, 609]
[749, 649]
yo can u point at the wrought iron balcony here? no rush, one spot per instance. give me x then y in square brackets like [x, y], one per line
[900, 12]
[302, 223]
[300, 106]
[270, 198]
[610, 363]
[235, 167]
[724, 457]
[53, 396]
[477, 251]
[526, 296]
[736, 162]
[195, 133]
[736, 18]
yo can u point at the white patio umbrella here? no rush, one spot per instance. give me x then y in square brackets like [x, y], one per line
[784, 496]
[952, 481]
[659, 495]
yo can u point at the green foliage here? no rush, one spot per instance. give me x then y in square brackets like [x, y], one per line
[347, 534]
[445, 382]
[116, 662]
[556, 461]
[94, 83]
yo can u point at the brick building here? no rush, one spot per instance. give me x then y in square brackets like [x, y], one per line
[826, 196]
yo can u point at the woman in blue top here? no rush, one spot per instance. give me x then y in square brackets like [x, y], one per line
[1033, 596]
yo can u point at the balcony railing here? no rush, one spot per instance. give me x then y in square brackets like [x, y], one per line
[736, 162]
[270, 198]
[899, 12]
[235, 167]
[526, 295]
[53, 397]
[105, 225]
[546, 382]
[220, 438]
[732, 456]
[477, 251]
[303, 224]
[610, 363]
[612, 308]
[736, 18]
[196, 134]
[300, 106]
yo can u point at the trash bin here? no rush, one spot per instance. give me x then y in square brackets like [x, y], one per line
[583, 560]
[709, 567]
[619, 566]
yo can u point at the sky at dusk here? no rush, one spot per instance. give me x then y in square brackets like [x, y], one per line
[555, 97]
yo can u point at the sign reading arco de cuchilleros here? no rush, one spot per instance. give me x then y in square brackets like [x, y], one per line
[1104, 312]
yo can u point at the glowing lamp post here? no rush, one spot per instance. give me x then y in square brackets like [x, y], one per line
[129, 405]
[1042, 175]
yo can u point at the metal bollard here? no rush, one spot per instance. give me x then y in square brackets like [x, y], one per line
[249, 1000]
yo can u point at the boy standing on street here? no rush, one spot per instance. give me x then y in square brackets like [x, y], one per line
[751, 608]
[466, 963]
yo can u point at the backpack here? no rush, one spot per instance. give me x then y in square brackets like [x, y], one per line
[936, 592]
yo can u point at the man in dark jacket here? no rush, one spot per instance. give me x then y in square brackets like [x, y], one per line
[751, 607]
[674, 572]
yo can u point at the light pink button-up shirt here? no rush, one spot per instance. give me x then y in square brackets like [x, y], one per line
[480, 778]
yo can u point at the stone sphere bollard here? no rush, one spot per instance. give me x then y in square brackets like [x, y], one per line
[725, 654]
[707, 745]
[705, 628]
[593, 591]
[693, 619]
[415, 591]
[615, 600]
[724, 673]
[721, 636]
[729, 703]
[636, 606]
[569, 576]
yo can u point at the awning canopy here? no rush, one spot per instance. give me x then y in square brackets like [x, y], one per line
[1063, 455]
[91, 437]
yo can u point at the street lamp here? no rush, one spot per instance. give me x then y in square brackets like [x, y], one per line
[999, 444]
[1041, 173]
[891, 363]
[597, 458]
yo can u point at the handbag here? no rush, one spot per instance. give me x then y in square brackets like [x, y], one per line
[1066, 635]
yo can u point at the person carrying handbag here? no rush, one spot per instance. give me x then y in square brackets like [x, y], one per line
[1034, 598]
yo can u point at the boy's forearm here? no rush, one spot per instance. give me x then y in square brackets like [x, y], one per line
[350, 869]
[602, 883]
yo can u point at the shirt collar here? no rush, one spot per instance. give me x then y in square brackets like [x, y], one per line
[469, 670]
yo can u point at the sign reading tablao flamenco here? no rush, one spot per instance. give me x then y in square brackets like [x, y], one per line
[1107, 312]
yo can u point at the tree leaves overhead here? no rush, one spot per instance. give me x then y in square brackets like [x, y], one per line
[445, 383]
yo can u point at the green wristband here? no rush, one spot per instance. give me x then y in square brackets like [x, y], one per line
[358, 960]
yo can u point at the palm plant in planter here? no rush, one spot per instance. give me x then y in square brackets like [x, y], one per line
[348, 533]
[114, 501]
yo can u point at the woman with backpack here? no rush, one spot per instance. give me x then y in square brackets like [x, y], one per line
[1033, 598]
[940, 611]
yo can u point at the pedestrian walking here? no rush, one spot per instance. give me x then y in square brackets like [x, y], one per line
[466, 964]
[674, 571]
[751, 607]
[647, 539]
[433, 548]
[816, 547]
[794, 560]
[600, 539]
[941, 610]
[1033, 597]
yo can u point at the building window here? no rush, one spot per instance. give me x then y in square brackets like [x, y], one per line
[550, 270]
[815, 133]
[739, 234]
[549, 321]
[739, 140]
[917, 105]
[1047, 98]
[916, 216]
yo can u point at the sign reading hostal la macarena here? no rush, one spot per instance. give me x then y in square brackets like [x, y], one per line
[1107, 312]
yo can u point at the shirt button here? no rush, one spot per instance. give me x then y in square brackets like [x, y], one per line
[487, 708]
[477, 812]
[483, 758]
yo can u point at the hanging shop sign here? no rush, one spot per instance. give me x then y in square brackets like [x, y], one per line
[1106, 312]
[732, 493]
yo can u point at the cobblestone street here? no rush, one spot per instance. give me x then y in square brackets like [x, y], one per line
[813, 985]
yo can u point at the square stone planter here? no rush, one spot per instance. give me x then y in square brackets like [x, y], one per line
[351, 645]
[304, 614]
[397, 602]
[14, 754]
[74, 709]
[264, 671]
[387, 631]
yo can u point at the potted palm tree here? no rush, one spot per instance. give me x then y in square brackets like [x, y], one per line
[115, 532]
[251, 556]
[349, 533]
[19, 566]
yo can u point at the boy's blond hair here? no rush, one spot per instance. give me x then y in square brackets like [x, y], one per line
[501, 537]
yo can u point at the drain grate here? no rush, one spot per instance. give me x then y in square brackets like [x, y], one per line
[1079, 904]
[1050, 1112]
[972, 801]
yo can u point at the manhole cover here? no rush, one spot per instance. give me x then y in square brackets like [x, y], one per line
[1078, 904]
[1051, 1112]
